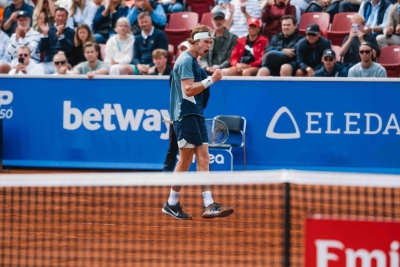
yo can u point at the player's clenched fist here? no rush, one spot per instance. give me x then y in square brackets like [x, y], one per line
[217, 75]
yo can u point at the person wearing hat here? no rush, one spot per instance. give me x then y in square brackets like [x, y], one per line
[221, 49]
[237, 14]
[11, 13]
[367, 68]
[24, 35]
[331, 68]
[309, 51]
[247, 55]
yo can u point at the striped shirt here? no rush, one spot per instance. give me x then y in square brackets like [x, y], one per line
[4, 41]
[239, 22]
[31, 40]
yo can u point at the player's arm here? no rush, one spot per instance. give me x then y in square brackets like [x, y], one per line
[192, 88]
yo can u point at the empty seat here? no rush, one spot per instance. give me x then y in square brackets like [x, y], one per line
[179, 27]
[206, 20]
[341, 27]
[390, 60]
[200, 6]
[336, 48]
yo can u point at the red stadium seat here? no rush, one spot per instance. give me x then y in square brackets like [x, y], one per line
[390, 60]
[179, 27]
[206, 20]
[200, 6]
[319, 18]
[171, 52]
[341, 27]
[336, 48]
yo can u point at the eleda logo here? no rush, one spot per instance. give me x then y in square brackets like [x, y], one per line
[271, 127]
[6, 98]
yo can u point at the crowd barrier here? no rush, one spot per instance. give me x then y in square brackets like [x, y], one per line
[302, 123]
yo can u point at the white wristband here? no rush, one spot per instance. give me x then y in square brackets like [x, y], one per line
[207, 82]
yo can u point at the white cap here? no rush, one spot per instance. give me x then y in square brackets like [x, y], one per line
[185, 43]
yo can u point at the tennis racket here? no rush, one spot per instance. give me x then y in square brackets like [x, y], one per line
[217, 132]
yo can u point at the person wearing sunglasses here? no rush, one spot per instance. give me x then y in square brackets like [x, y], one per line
[331, 68]
[61, 64]
[309, 51]
[367, 68]
[25, 64]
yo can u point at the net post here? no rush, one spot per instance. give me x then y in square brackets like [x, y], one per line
[1, 144]
[286, 231]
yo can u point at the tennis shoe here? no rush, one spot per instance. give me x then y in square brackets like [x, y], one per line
[175, 211]
[216, 210]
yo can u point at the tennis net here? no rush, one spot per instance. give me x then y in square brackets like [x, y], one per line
[115, 219]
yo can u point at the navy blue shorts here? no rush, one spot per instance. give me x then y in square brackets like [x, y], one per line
[191, 129]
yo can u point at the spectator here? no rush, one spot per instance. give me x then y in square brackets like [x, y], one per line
[81, 12]
[221, 49]
[24, 35]
[330, 67]
[182, 47]
[391, 34]
[155, 11]
[119, 48]
[145, 43]
[367, 68]
[44, 10]
[351, 43]
[82, 36]
[375, 13]
[10, 15]
[57, 38]
[309, 51]
[4, 58]
[221, 6]
[239, 11]
[280, 55]
[61, 64]
[25, 64]
[349, 6]
[105, 19]
[329, 6]
[92, 66]
[160, 58]
[171, 6]
[247, 54]
[272, 14]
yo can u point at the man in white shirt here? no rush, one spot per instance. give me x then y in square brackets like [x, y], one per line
[4, 58]
[367, 68]
[239, 11]
[61, 64]
[24, 35]
[25, 64]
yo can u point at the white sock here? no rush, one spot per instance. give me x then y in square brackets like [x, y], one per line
[208, 199]
[173, 198]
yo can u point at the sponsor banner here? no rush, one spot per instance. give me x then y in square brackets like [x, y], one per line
[220, 160]
[352, 243]
[111, 123]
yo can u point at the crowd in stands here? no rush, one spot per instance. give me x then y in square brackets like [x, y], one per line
[250, 37]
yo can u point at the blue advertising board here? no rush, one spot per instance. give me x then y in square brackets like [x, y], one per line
[342, 124]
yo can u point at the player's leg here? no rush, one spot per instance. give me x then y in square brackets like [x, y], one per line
[211, 209]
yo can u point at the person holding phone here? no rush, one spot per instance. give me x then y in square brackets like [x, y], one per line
[391, 34]
[25, 64]
[351, 43]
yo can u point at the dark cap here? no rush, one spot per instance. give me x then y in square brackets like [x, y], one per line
[219, 14]
[329, 53]
[367, 44]
[312, 28]
[23, 13]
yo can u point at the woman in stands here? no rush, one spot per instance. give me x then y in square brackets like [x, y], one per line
[44, 10]
[119, 48]
[106, 17]
[247, 55]
[82, 35]
[81, 12]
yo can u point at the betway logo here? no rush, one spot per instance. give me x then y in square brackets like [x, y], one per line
[351, 124]
[325, 255]
[93, 119]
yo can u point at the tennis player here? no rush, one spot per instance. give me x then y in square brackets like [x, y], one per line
[186, 104]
